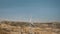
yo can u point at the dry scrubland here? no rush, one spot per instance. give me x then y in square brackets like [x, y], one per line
[11, 27]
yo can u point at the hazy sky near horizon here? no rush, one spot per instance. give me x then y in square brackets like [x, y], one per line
[44, 10]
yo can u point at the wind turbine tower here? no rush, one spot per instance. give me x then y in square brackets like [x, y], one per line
[31, 25]
[31, 20]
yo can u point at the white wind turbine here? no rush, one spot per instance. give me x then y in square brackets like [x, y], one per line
[30, 21]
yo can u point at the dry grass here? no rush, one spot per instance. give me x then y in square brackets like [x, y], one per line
[7, 26]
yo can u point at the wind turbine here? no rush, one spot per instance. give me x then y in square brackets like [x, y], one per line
[31, 24]
[31, 20]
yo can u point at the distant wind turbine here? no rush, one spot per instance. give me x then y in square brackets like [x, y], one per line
[31, 24]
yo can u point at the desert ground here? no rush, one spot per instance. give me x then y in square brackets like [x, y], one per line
[12, 27]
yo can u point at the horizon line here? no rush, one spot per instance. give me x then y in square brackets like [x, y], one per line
[1, 19]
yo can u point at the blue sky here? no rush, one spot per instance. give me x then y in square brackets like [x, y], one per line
[43, 10]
